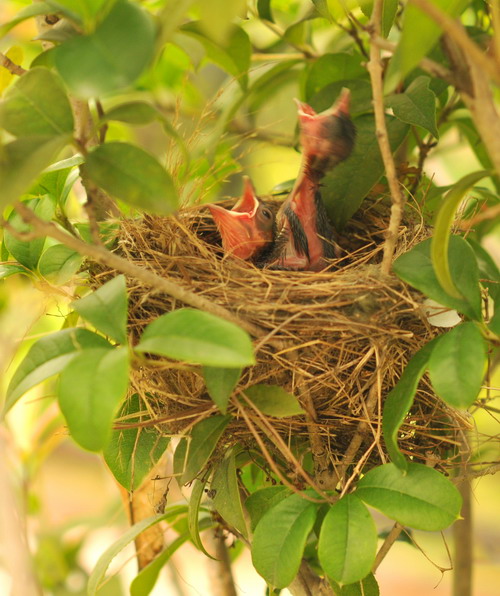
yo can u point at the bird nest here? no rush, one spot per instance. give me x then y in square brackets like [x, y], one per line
[339, 340]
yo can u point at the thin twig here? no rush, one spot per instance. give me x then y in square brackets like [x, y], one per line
[375, 70]
[220, 571]
[12, 67]
[457, 32]
[100, 255]
[390, 539]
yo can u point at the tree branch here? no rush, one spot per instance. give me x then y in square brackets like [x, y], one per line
[375, 70]
[220, 571]
[456, 31]
[11, 66]
[100, 255]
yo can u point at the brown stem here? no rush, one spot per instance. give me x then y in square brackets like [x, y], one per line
[375, 70]
[390, 539]
[220, 572]
[11, 66]
[100, 255]
[307, 583]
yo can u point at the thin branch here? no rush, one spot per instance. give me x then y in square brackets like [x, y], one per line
[220, 571]
[11, 66]
[100, 255]
[457, 32]
[375, 70]
[390, 539]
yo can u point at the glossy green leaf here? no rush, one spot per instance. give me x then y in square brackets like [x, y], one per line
[220, 383]
[133, 176]
[422, 498]
[330, 68]
[132, 453]
[107, 59]
[97, 576]
[344, 189]
[264, 10]
[195, 336]
[442, 232]
[47, 357]
[415, 267]
[28, 252]
[416, 106]
[204, 438]
[233, 55]
[22, 160]
[347, 541]
[107, 308]
[193, 518]
[400, 399]
[36, 105]
[280, 538]
[59, 263]
[272, 400]
[260, 501]
[91, 388]
[227, 499]
[65, 164]
[8, 269]
[389, 11]
[419, 35]
[457, 365]
[27, 12]
[368, 586]
[145, 580]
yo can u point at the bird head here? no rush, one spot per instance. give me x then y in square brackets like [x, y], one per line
[248, 227]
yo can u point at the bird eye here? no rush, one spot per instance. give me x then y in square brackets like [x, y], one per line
[266, 213]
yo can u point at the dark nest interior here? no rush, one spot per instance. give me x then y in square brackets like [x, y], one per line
[338, 340]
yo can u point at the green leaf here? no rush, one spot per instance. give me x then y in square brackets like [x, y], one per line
[280, 537]
[59, 264]
[133, 452]
[193, 518]
[28, 252]
[195, 336]
[366, 587]
[400, 399]
[457, 365]
[330, 68]
[22, 160]
[91, 388]
[419, 35]
[494, 323]
[8, 269]
[27, 12]
[107, 59]
[220, 383]
[361, 97]
[66, 164]
[97, 576]
[344, 189]
[389, 11]
[180, 459]
[442, 231]
[47, 357]
[107, 308]
[227, 500]
[204, 438]
[264, 499]
[415, 267]
[272, 400]
[348, 541]
[416, 106]
[264, 10]
[422, 498]
[145, 580]
[233, 56]
[36, 105]
[133, 176]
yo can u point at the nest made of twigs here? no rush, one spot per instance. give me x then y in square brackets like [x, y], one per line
[339, 340]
